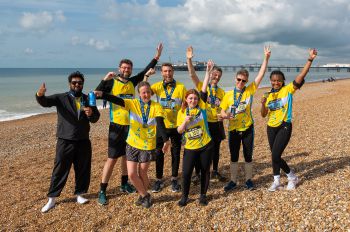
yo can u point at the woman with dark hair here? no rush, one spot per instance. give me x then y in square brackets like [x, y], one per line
[145, 115]
[277, 105]
[236, 106]
[192, 122]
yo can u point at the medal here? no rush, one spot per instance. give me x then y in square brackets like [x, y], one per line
[145, 115]
[145, 125]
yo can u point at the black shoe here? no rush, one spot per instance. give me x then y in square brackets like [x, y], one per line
[146, 201]
[249, 184]
[158, 186]
[175, 187]
[230, 186]
[139, 201]
[203, 200]
[183, 201]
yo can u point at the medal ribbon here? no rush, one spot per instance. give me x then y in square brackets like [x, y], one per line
[145, 115]
[168, 95]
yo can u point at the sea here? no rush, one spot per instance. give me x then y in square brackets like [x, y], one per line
[19, 85]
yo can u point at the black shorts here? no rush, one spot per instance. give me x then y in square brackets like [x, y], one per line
[117, 140]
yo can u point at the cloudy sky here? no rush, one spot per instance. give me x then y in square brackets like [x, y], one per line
[98, 33]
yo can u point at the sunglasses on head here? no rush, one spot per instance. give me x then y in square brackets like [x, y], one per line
[239, 79]
[77, 82]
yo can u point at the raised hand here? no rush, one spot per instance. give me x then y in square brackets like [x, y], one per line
[88, 111]
[210, 65]
[312, 53]
[109, 76]
[42, 90]
[159, 51]
[267, 51]
[189, 52]
[150, 72]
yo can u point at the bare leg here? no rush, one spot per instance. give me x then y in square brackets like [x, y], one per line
[108, 169]
[143, 168]
[123, 166]
[135, 178]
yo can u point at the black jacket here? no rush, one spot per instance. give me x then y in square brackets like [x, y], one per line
[69, 126]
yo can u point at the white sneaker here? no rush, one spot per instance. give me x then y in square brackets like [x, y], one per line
[82, 200]
[275, 186]
[49, 205]
[292, 183]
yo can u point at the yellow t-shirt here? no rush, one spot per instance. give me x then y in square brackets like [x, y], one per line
[197, 133]
[279, 105]
[123, 90]
[172, 106]
[213, 103]
[243, 114]
[140, 137]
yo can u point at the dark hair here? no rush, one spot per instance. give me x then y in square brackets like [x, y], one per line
[190, 91]
[167, 65]
[243, 72]
[76, 74]
[278, 73]
[141, 84]
[125, 61]
[217, 68]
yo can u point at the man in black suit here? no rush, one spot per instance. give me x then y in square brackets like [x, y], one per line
[73, 143]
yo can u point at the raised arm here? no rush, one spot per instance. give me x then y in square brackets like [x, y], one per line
[190, 67]
[210, 66]
[260, 76]
[300, 78]
[149, 73]
[43, 100]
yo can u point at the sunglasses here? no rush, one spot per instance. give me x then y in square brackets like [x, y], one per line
[77, 82]
[239, 79]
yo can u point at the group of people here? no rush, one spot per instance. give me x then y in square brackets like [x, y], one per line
[142, 130]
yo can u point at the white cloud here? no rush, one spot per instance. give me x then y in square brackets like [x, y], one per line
[100, 45]
[41, 21]
[28, 51]
[75, 40]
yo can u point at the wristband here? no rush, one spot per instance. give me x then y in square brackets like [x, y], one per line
[310, 60]
[146, 75]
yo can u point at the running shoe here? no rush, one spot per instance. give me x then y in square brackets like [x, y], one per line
[203, 200]
[146, 201]
[175, 187]
[230, 186]
[158, 186]
[275, 186]
[183, 201]
[292, 183]
[102, 198]
[127, 188]
[138, 202]
[249, 184]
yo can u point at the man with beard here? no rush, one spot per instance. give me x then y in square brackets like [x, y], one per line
[123, 86]
[73, 143]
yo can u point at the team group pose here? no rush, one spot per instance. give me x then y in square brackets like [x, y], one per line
[143, 130]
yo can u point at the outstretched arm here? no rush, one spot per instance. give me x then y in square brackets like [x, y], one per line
[149, 73]
[300, 78]
[43, 100]
[259, 77]
[191, 71]
[210, 66]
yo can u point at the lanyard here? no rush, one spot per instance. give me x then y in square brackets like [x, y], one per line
[211, 95]
[82, 102]
[236, 102]
[145, 115]
[168, 95]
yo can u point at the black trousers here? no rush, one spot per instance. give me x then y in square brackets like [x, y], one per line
[247, 139]
[202, 157]
[217, 133]
[278, 139]
[70, 152]
[175, 139]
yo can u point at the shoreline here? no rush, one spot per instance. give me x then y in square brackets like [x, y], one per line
[318, 152]
[100, 107]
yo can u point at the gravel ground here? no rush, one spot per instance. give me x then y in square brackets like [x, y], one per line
[318, 152]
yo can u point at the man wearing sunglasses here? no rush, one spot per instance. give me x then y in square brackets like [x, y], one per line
[236, 106]
[73, 144]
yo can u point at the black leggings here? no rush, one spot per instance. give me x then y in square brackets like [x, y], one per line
[247, 139]
[201, 156]
[217, 133]
[278, 139]
[175, 138]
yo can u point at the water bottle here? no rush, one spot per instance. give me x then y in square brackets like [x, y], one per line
[92, 99]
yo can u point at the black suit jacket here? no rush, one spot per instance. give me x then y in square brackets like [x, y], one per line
[69, 126]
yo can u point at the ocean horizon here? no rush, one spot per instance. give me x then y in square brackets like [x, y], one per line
[19, 85]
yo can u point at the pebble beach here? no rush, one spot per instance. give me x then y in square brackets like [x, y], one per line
[318, 152]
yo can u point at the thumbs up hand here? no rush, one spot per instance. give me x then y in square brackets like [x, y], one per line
[42, 90]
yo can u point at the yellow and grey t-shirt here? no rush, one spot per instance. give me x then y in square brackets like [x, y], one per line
[242, 112]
